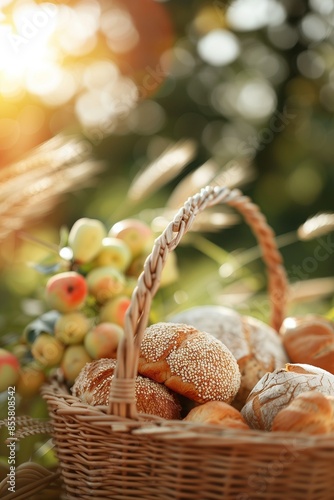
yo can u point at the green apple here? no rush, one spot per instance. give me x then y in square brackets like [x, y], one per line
[105, 283]
[74, 359]
[115, 253]
[30, 381]
[136, 234]
[47, 350]
[85, 239]
[114, 310]
[66, 291]
[102, 340]
[70, 328]
[9, 369]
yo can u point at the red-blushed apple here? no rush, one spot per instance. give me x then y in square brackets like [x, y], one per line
[85, 239]
[74, 359]
[66, 291]
[30, 381]
[115, 253]
[47, 350]
[70, 328]
[105, 283]
[113, 311]
[136, 234]
[9, 369]
[102, 340]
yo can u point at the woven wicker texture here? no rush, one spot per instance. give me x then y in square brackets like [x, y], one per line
[112, 452]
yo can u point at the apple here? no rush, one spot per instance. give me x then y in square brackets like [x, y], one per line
[136, 234]
[66, 291]
[9, 369]
[74, 359]
[115, 253]
[30, 381]
[105, 283]
[85, 239]
[71, 328]
[114, 310]
[47, 350]
[102, 340]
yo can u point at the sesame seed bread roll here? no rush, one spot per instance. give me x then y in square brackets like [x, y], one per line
[92, 386]
[256, 346]
[311, 412]
[217, 412]
[189, 362]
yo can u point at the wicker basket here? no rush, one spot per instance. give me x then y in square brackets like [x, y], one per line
[112, 452]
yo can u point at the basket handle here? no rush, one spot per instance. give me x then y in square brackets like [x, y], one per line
[122, 393]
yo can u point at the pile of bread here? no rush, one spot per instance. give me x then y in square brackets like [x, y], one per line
[211, 365]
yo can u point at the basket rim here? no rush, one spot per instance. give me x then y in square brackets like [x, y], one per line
[160, 428]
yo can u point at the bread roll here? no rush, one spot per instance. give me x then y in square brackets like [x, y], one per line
[276, 390]
[217, 412]
[189, 362]
[311, 412]
[309, 339]
[92, 386]
[256, 346]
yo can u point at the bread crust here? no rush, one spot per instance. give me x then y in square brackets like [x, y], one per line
[217, 412]
[256, 346]
[276, 390]
[92, 386]
[311, 412]
[190, 362]
[309, 339]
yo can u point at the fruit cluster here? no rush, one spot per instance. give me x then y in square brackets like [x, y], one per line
[87, 299]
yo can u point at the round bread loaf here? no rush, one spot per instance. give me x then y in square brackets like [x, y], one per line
[309, 339]
[277, 389]
[217, 412]
[92, 386]
[256, 346]
[190, 362]
[311, 412]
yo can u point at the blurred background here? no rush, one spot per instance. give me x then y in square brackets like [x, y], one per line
[111, 109]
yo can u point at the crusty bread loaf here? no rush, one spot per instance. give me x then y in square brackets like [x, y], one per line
[92, 386]
[309, 339]
[190, 362]
[217, 412]
[277, 389]
[256, 346]
[311, 412]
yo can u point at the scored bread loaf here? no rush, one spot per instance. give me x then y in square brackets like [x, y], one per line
[217, 412]
[190, 362]
[309, 339]
[311, 412]
[256, 346]
[92, 386]
[277, 389]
